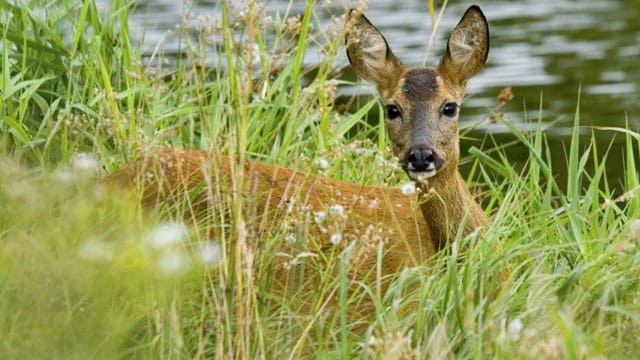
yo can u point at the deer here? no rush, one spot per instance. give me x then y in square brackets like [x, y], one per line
[421, 109]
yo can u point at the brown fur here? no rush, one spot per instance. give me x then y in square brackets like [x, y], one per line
[419, 84]
[276, 196]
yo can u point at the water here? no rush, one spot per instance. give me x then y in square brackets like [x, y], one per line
[548, 51]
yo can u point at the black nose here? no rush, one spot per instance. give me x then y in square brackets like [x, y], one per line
[420, 158]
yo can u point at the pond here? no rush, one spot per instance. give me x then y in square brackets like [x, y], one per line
[548, 51]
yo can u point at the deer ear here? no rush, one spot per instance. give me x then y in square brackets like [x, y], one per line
[467, 49]
[369, 52]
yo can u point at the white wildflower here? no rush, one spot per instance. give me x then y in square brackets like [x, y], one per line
[634, 228]
[408, 188]
[336, 238]
[322, 163]
[374, 204]
[336, 210]
[96, 250]
[372, 340]
[64, 176]
[319, 217]
[210, 254]
[515, 327]
[173, 263]
[167, 234]
[290, 238]
[85, 162]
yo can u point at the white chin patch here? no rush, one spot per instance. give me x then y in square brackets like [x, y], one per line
[429, 172]
[417, 175]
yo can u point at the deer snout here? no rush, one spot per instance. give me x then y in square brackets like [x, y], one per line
[422, 161]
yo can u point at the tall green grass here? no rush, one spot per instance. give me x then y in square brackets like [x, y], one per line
[84, 275]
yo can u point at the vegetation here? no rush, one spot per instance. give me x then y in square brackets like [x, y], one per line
[87, 273]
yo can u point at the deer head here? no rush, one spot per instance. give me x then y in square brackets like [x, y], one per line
[421, 103]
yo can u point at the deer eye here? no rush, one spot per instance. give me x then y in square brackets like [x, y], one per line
[450, 109]
[392, 112]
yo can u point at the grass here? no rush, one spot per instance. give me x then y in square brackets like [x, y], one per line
[85, 273]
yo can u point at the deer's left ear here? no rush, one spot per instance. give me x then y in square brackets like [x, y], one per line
[467, 49]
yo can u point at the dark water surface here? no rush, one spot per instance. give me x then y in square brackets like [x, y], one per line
[543, 49]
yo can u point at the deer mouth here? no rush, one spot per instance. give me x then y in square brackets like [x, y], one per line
[421, 162]
[427, 173]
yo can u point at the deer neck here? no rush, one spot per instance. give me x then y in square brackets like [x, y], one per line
[449, 208]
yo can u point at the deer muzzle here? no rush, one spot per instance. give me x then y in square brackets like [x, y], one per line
[422, 161]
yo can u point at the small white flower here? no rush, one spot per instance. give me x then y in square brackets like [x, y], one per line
[96, 250]
[336, 210]
[372, 341]
[374, 204]
[64, 176]
[408, 188]
[290, 205]
[167, 234]
[290, 238]
[210, 254]
[336, 238]
[634, 228]
[173, 263]
[85, 162]
[319, 217]
[515, 327]
[322, 163]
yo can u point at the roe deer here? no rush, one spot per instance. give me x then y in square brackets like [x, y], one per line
[421, 106]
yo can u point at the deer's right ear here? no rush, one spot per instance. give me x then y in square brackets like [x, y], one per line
[369, 53]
